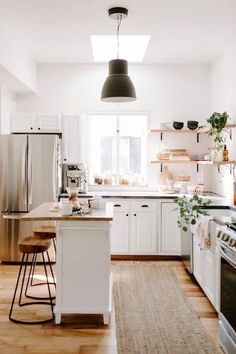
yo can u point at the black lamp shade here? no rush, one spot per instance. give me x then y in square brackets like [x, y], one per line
[118, 87]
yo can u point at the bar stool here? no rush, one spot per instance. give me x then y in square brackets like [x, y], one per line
[31, 245]
[44, 232]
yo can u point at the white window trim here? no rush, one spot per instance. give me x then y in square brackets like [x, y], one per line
[87, 147]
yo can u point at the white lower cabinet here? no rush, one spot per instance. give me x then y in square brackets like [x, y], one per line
[204, 270]
[143, 238]
[209, 275]
[170, 232]
[120, 232]
[197, 262]
[134, 227]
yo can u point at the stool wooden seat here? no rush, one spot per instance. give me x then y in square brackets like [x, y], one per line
[32, 245]
[45, 231]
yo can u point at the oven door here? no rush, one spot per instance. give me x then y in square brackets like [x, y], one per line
[228, 297]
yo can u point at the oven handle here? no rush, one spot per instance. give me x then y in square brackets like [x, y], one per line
[225, 256]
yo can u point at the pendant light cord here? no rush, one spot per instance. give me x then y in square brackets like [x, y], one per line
[119, 19]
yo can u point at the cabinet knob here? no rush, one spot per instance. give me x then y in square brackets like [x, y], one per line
[64, 159]
[31, 128]
[38, 128]
[134, 214]
[127, 214]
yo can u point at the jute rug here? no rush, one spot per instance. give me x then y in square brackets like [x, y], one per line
[153, 316]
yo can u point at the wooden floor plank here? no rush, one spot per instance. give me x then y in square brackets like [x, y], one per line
[81, 334]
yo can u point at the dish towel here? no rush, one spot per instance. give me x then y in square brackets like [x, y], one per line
[203, 231]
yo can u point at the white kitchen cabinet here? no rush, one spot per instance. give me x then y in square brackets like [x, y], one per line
[48, 123]
[197, 262]
[143, 227]
[204, 270]
[35, 123]
[209, 274]
[72, 139]
[134, 227]
[170, 232]
[22, 122]
[120, 228]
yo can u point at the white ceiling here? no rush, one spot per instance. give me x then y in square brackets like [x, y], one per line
[59, 31]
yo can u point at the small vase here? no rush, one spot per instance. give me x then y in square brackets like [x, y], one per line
[216, 155]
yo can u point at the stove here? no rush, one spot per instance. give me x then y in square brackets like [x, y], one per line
[226, 246]
[231, 225]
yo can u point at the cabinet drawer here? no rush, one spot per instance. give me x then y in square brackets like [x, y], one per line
[120, 205]
[143, 205]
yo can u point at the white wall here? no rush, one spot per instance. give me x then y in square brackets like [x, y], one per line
[165, 92]
[223, 88]
[7, 106]
[16, 60]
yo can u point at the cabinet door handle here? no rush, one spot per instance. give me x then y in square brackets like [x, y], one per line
[144, 206]
[117, 205]
[134, 214]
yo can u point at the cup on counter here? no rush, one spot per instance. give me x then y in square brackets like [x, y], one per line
[66, 208]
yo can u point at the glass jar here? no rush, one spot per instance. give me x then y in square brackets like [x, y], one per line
[235, 193]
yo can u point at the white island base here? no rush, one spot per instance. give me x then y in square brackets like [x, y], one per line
[83, 269]
[82, 261]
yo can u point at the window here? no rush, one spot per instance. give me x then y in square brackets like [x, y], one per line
[118, 148]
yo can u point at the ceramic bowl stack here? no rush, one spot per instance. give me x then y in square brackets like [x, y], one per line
[192, 124]
[178, 125]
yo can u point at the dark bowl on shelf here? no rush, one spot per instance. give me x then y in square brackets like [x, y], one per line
[178, 125]
[192, 124]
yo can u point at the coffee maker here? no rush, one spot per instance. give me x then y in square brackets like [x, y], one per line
[75, 175]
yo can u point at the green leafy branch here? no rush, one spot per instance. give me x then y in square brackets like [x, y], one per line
[190, 209]
[218, 121]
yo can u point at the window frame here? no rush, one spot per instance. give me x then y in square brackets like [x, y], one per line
[117, 115]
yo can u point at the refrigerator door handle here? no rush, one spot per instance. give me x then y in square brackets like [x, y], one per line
[30, 177]
[12, 217]
[55, 171]
[24, 175]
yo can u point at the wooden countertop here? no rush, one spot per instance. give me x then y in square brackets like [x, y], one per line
[43, 212]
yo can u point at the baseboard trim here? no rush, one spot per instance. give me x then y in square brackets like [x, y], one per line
[149, 257]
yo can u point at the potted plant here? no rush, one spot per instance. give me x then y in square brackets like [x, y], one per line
[190, 209]
[217, 121]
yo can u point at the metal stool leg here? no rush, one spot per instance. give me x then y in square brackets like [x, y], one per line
[15, 291]
[31, 275]
[21, 291]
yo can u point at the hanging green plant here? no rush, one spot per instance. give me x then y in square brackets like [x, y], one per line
[190, 210]
[218, 121]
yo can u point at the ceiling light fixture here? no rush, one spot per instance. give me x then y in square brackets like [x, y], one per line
[118, 87]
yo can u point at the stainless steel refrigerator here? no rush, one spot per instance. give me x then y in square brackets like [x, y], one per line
[29, 175]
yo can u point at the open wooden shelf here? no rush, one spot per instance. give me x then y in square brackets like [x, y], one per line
[188, 131]
[203, 162]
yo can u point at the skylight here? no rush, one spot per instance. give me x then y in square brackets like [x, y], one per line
[132, 48]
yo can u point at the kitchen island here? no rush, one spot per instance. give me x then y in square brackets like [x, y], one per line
[82, 260]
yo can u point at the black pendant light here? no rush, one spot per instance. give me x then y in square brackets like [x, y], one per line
[118, 86]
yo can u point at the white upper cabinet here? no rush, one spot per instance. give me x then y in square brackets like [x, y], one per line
[170, 232]
[35, 123]
[72, 139]
[22, 122]
[48, 123]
